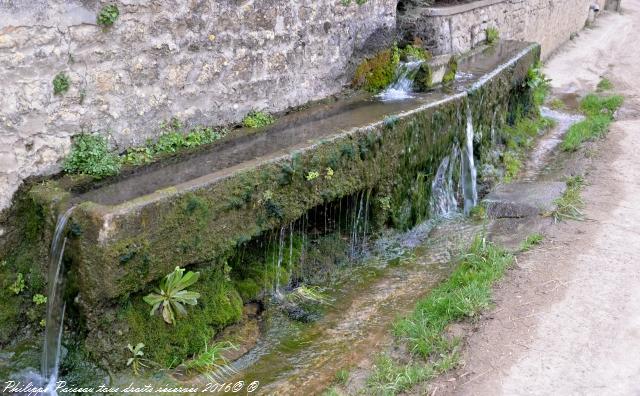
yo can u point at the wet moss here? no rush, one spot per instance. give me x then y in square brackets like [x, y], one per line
[424, 77]
[376, 73]
[450, 73]
[168, 345]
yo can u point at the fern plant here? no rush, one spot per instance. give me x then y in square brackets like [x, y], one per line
[171, 297]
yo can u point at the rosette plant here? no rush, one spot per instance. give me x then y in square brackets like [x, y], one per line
[172, 297]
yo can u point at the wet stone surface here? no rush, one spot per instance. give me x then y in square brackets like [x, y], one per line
[523, 199]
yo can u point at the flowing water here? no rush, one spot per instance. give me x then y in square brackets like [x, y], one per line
[402, 88]
[301, 358]
[55, 311]
[469, 172]
[443, 191]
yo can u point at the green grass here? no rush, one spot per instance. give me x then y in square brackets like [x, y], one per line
[569, 206]
[258, 119]
[531, 241]
[599, 112]
[465, 294]
[211, 362]
[331, 392]
[519, 138]
[492, 35]
[605, 85]
[342, 376]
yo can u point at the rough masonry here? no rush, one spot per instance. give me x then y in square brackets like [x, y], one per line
[204, 62]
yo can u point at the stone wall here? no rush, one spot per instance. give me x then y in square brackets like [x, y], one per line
[203, 61]
[459, 28]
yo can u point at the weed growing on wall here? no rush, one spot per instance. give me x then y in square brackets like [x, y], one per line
[90, 155]
[60, 83]
[258, 119]
[492, 35]
[108, 15]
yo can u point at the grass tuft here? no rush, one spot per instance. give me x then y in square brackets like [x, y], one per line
[605, 85]
[464, 294]
[599, 111]
[569, 206]
[531, 241]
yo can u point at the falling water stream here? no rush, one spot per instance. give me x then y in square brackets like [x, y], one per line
[469, 172]
[55, 307]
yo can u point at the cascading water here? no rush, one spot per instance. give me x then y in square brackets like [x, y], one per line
[468, 171]
[443, 196]
[55, 307]
[279, 263]
[403, 86]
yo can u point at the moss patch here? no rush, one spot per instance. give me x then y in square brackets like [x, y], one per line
[219, 305]
[376, 73]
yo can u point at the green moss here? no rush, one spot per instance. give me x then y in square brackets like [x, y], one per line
[450, 73]
[414, 52]
[218, 306]
[424, 77]
[376, 73]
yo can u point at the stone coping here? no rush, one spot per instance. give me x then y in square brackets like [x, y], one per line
[459, 9]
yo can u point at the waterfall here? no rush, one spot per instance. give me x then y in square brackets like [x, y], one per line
[443, 196]
[469, 172]
[55, 307]
[279, 263]
[403, 86]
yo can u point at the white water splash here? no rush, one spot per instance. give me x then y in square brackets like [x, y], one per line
[443, 196]
[402, 88]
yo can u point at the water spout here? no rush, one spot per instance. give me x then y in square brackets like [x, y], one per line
[403, 86]
[469, 172]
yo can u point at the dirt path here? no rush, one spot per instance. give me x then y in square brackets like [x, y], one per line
[567, 318]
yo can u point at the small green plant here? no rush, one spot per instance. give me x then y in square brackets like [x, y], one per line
[108, 15]
[18, 285]
[312, 175]
[171, 295]
[136, 361]
[605, 85]
[39, 299]
[258, 119]
[329, 173]
[531, 241]
[538, 82]
[90, 155]
[492, 35]
[60, 83]
[342, 376]
[43, 323]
